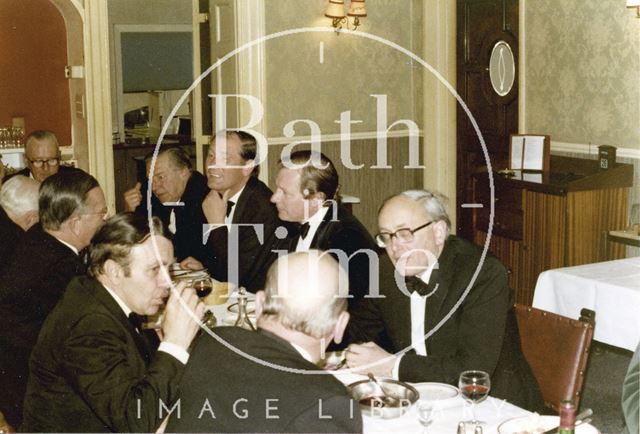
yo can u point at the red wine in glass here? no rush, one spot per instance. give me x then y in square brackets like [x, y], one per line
[474, 386]
[203, 288]
[475, 393]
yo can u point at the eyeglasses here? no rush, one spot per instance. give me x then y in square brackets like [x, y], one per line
[404, 235]
[48, 162]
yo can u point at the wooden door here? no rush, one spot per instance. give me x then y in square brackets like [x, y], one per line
[481, 25]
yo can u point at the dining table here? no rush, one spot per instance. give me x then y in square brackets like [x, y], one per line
[611, 289]
[447, 414]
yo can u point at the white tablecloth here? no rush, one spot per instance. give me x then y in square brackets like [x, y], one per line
[611, 289]
[445, 420]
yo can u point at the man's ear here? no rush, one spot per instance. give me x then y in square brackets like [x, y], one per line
[259, 303]
[247, 169]
[339, 328]
[31, 218]
[440, 232]
[113, 271]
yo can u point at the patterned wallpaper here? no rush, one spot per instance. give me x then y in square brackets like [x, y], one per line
[300, 86]
[583, 71]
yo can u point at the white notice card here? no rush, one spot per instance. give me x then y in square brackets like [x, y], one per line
[533, 158]
[517, 150]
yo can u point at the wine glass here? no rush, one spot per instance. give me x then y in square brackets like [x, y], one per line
[425, 413]
[474, 386]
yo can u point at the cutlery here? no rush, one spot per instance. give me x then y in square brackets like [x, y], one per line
[380, 393]
[582, 417]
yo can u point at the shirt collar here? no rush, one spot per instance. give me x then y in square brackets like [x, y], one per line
[302, 352]
[69, 246]
[236, 196]
[118, 300]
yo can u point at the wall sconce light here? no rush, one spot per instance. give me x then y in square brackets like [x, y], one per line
[335, 11]
[634, 4]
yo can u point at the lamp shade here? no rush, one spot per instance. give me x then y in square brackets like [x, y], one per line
[335, 9]
[633, 3]
[358, 9]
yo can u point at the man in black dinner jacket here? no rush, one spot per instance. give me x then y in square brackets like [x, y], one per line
[42, 156]
[298, 314]
[234, 252]
[306, 193]
[18, 212]
[71, 208]
[92, 369]
[178, 192]
[427, 272]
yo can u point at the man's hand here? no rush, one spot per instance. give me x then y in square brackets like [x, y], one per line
[363, 354]
[191, 263]
[214, 207]
[178, 325]
[133, 198]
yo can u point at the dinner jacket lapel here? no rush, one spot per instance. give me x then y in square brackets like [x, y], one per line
[143, 346]
[442, 277]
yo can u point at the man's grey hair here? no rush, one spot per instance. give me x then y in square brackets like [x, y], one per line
[305, 299]
[434, 203]
[39, 135]
[19, 195]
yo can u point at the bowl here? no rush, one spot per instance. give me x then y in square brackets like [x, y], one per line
[363, 392]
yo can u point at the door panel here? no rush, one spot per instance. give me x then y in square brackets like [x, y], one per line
[481, 24]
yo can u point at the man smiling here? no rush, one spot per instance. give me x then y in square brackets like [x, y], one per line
[237, 199]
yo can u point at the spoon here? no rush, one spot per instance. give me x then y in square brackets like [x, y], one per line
[390, 401]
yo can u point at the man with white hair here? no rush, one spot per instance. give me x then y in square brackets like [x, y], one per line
[267, 381]
[444, 308]
[18, 212]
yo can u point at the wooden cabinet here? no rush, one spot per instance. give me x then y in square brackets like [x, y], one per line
[555, 219]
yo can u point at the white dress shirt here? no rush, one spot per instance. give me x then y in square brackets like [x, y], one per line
[418, 307]
[304, 244]
[229, 219]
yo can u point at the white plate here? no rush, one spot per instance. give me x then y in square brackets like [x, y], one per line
[445, 395]
[536, 424]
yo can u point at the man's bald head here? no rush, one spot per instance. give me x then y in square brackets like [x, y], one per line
[302, 292]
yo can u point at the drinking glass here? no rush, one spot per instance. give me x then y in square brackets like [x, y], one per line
[425, 414]
[474, 386]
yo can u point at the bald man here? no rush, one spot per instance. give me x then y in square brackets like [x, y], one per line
[41, 155]
[298, 314]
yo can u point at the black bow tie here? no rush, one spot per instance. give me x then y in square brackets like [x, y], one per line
[304, 230]
[230, 205]
[136, 320]
[416, 284]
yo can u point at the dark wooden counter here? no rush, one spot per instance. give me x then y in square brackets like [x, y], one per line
[559, 220]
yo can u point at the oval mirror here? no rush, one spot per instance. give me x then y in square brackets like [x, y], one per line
[502, 68]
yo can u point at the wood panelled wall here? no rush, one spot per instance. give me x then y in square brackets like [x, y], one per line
[372, 186]
[559, 231]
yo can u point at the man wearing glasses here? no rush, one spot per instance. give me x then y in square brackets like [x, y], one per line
[436, 317]
[72, 207]
[42, 156]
